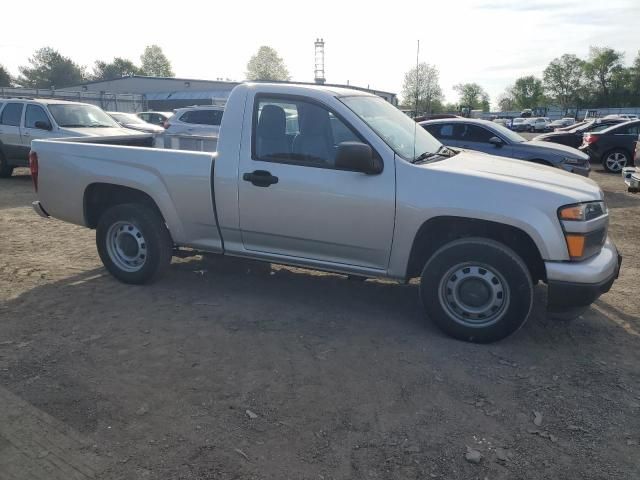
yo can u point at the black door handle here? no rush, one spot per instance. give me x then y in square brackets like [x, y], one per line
[260, 178]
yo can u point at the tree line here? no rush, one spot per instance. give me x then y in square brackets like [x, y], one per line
[569, 82]
[48, 68]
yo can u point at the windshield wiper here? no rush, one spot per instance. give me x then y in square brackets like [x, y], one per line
[441, 152]
[73, 125]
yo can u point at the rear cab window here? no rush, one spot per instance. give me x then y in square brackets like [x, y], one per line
[11, 114]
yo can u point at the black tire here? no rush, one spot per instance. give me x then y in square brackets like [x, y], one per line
[508, 302]
[151, 249]
[615, 166]
[6, 170]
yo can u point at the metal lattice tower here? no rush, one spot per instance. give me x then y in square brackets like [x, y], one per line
[319, 70]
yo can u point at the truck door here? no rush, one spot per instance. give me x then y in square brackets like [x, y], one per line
[292, 199]
[10, 132]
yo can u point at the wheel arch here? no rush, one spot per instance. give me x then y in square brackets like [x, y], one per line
[99, 197]
[437, 231]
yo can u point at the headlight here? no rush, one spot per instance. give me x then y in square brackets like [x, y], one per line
[581, 244]
[582, 212]
[574, 161]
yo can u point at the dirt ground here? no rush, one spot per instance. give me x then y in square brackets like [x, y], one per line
[236, 370]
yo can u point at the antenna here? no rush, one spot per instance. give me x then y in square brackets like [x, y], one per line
[319, 70]
[415, 126]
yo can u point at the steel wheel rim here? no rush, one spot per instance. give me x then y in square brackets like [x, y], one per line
[126, 246]
[616, 161]
[474, 295]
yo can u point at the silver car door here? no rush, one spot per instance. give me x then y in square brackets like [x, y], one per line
[314, 211]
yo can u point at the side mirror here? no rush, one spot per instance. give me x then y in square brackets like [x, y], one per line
[43, 125]
[496, 142]
[358, 157]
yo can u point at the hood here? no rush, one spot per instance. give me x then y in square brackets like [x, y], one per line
[558, 148]
[524, 173]
[100, 132]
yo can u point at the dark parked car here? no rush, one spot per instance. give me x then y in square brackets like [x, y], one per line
[490, 137]
[613, 146]
[573, 136]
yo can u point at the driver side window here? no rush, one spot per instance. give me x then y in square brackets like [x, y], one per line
[297, 132]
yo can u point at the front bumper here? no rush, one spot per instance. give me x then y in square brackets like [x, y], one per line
[631, 176]
[578, 284]
[39, 209]
[583, 169]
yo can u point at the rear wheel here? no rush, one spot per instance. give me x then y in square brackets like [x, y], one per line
[5, 169]
[476, 289]
[615, 160]
[133, 243]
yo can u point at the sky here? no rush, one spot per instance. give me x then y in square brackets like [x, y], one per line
[491, 42]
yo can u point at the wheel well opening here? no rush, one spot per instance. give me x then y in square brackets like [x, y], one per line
[438, 231]
[99, 197]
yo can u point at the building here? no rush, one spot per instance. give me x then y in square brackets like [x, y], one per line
[168, 93]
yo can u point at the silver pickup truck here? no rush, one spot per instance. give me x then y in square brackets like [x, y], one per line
[342, 181]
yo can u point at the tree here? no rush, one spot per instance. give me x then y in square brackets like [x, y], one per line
[155, 63]
[5, 77]
[506, 102]
[421, 88]
[118, 68]
[473, 95]
[634, 80]
[564, 80]
[527, 92]
[266, 64]
[601, 68]
[48, 68]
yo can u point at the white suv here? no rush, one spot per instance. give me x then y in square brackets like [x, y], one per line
[24, 120]
[202, 120]
[538, 124]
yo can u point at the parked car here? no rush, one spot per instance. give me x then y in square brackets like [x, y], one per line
[538, 124]
[495, 139]
[519, 124]
[505, 122]
[561, 123]
[613, 146]
[622, 116]
[22, 121]
[573, 136]
[156, 118]
[204, 120]
[479, 230]
[132, 121]
[631, 175]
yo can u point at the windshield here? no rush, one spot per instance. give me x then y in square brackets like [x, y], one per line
[509, 134]
[126, 118]
[80, 116]
[401, 133]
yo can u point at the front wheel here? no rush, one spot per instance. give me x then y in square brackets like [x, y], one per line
[615, 160]
[477, 290]
[133, 243]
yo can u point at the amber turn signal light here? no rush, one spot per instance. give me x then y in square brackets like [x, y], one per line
[575, 245]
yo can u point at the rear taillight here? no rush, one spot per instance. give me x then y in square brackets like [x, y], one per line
[165, 124]
[33, 166]
[590, 138]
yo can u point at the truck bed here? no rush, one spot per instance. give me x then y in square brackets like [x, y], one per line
[177, 181]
